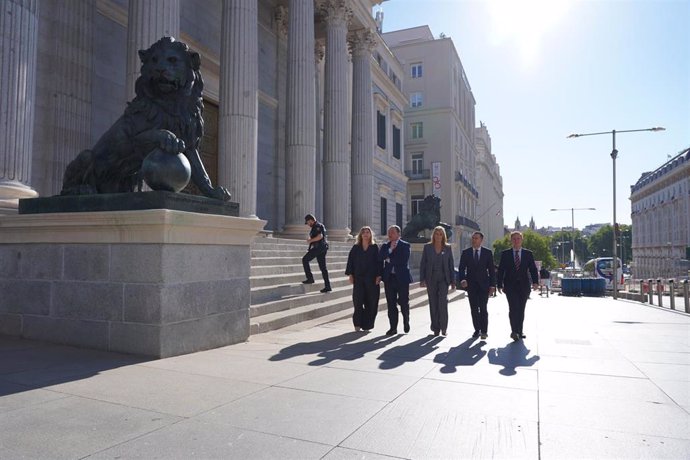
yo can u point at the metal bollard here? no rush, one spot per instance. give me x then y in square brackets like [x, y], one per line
[643, 295]
[650, 291]
[659, 292]
[672, 294]
[686, 296]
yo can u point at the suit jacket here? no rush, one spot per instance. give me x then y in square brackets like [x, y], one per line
[510, 279]
[427, 262]
[479, 275]
[398, 259]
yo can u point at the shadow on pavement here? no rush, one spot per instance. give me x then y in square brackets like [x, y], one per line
[397, 356]
[342, 346]
[464, 354]
[27, 365]
[511, 357]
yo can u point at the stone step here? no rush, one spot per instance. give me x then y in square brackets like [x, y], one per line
[282, 274]
[278, 244]
[330, 311]
[343, 291]
[297, 253]
[282, 260]
[271, 292]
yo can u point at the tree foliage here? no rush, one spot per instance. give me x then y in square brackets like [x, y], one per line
[601, 243]
[538, 244]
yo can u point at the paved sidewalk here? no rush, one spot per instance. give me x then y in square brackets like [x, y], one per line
[595, 378]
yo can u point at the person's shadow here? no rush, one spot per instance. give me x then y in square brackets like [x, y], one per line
[332, 348]
[465, 354]
[512, 356]
[397, 356]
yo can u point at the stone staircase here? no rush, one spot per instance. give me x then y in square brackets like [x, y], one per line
[279, 299]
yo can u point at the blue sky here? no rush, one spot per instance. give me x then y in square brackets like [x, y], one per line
[543, 69]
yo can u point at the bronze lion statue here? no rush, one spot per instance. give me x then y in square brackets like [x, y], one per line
[429, 216]
[165, 114]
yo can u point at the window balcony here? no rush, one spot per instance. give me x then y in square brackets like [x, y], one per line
[466, 222]
[419, 174]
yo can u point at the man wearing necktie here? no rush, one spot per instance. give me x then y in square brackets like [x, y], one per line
[478, 277]
[517, 272]
[395, 257]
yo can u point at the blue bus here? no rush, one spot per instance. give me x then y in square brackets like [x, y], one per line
[602, 267]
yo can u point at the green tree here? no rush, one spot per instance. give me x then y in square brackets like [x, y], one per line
[562, 243]
[538, 244]
[601, 243]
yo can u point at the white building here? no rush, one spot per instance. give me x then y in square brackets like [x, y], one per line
[490, 187]
[439, 128]
[660, 203]
[294, 81]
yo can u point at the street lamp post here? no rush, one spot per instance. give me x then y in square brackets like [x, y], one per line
[614, 155]
[572, 216]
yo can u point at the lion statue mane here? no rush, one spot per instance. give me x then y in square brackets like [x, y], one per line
[165, 114]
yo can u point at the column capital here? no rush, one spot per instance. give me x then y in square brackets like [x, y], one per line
[334, 11]
[361, 42]
[280, 16]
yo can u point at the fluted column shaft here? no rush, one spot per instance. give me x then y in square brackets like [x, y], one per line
[336, 162]
[147, 22]
[362, 140]
[300, 118]
[18, 38]
[72, 83]
[238, 118]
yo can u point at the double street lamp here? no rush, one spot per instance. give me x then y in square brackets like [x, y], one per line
[572, 215]
[614, 155]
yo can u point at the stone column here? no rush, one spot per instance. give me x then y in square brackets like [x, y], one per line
[319, 53]
[147, 22]
[300, 123]
[362, 140]
[336, 158]
[72, 83]
[18, 37]
[238, 118]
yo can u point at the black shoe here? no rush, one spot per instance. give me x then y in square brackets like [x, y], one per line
[391, 332]
[326, 289]
[308, 282]
[514, 336]
[523, 336]
[406, 327]
[484, 336]
[475, 335]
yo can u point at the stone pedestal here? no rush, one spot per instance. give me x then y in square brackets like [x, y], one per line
[151, 282]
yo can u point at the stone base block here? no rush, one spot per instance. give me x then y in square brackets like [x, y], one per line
[152, 282]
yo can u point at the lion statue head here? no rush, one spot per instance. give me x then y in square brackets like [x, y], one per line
[166, 114]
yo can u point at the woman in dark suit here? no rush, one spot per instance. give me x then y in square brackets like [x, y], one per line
[437, 273]
[364, 271]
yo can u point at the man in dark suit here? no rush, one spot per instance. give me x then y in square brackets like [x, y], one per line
[478, 277]
[395, 256]
[516, 272]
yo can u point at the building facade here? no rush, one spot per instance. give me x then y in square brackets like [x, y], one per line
[292, 89]
[490, 188]
[660, 211]
[439, 128]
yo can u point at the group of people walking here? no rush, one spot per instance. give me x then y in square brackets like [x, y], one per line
[368, 264]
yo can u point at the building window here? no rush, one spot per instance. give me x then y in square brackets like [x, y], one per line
[396, 142]
[416, 204]
[416, 70]
[380, 129]
[398, 215]
[416, 99]
[384, 216]
[417, 163]
[417, 130]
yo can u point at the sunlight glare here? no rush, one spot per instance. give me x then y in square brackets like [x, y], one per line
[525, 23]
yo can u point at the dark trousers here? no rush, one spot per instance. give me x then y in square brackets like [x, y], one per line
[397, 293]
[517, 300]
[365, 297]
[320, 255]
[437, 290]
[480, 315]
